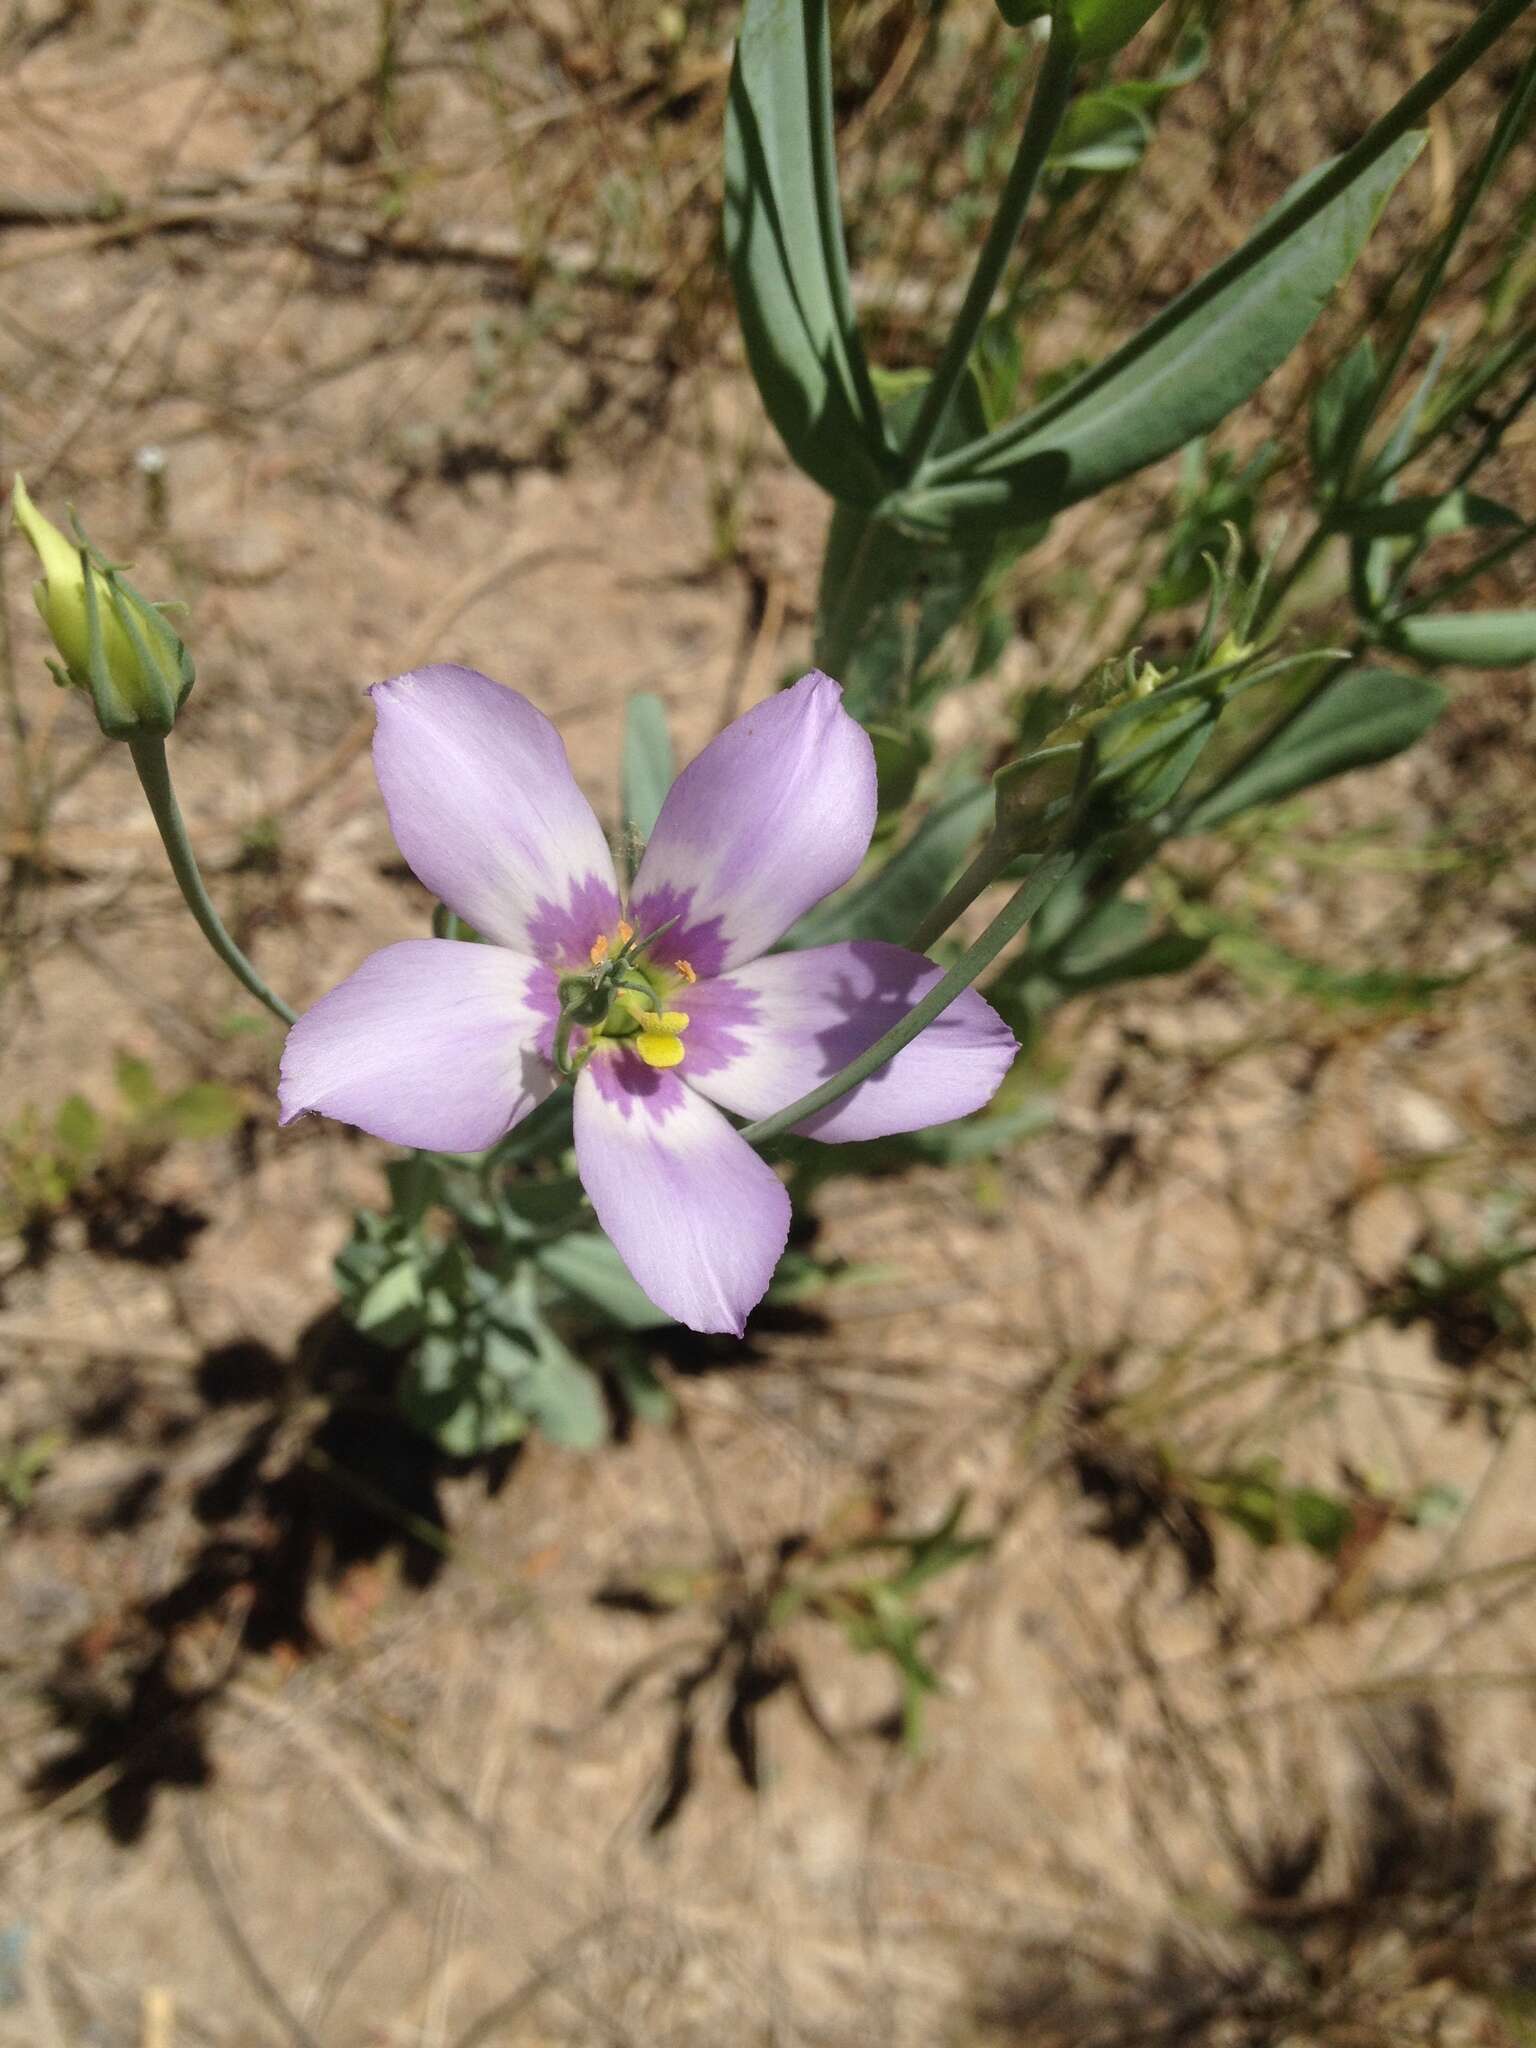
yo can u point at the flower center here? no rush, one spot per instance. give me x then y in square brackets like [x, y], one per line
[623, 999]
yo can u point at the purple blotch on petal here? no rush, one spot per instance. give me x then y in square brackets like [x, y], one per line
[719, 1013]
[701, 943]
[821, 1008]
[623, 1079]
[562, 933]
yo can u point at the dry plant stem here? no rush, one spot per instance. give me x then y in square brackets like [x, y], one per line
[973, 962]
[155, 777]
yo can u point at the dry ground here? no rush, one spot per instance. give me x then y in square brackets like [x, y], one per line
[309, 1738]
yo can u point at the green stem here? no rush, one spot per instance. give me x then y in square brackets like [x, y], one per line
[1504, 359]
[1280, 590]
[995, 855]
[1179, 814]
[850, 605]
[1053, 88]
[1497, 16]
[1008, 923]
[155, 776]
[829, 212]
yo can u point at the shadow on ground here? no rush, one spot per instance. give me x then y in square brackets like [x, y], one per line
[326, 1478]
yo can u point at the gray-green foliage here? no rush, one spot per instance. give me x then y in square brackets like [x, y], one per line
[478, 1311]
[487, 1273]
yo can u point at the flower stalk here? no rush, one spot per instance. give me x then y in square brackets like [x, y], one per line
[149, 759]
[972, 964]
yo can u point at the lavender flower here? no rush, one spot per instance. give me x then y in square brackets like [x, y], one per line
[667, 1012]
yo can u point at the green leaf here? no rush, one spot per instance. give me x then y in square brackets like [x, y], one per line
[136, 1083]
[1406, 426]
[78, 1127]
[1103, 131]
[784, 246]
[1364, 716]
[1190, 57]
[1117, 944]
[1480, 639]
[205, 1110]
[1105, 26]
[543, 1204]
[981, 1136]
[356, 1267]
[901, 755]
[1423, 518]
[895, 899]
[933, 1552]
[1318, 1520]
[1209, 352]
[586, 1265]
[560, 1394]
[392, 1310]
[1371, 988]
[1144, 751]
[647, 1398]
[447, 1392]
[415, 1185]
[1339, 407]
[887, 599]
[648, 766]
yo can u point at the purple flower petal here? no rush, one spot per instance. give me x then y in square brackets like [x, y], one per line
[767, 1033]
[431, 1042]
[773, 815]
[485, 809]
[696, 1215]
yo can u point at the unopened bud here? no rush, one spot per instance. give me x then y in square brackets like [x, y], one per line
[1102, 26]
[112, 642]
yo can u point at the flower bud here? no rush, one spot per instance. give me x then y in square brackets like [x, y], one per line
[113, 643]
[1103, 26]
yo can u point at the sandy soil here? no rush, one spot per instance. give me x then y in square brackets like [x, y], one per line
[312, 1738]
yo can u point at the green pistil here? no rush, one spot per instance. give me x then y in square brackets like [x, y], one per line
[589, 1002]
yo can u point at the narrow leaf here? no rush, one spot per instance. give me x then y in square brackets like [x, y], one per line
[586, 1265]
[648, 765]
[1424, 518]
[1338, 407]
[1366, 715]
[784, 246]
[1213, 351]
[1481, 639]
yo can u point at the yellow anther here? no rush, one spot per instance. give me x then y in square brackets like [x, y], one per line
[669, 1020]
[685, 971]
[626, 932]
[598, 952]
[659, 1048]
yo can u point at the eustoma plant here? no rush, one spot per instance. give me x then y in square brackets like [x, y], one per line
[575, 1038]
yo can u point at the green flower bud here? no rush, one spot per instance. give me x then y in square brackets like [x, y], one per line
[1103, 26]
[113, 643]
